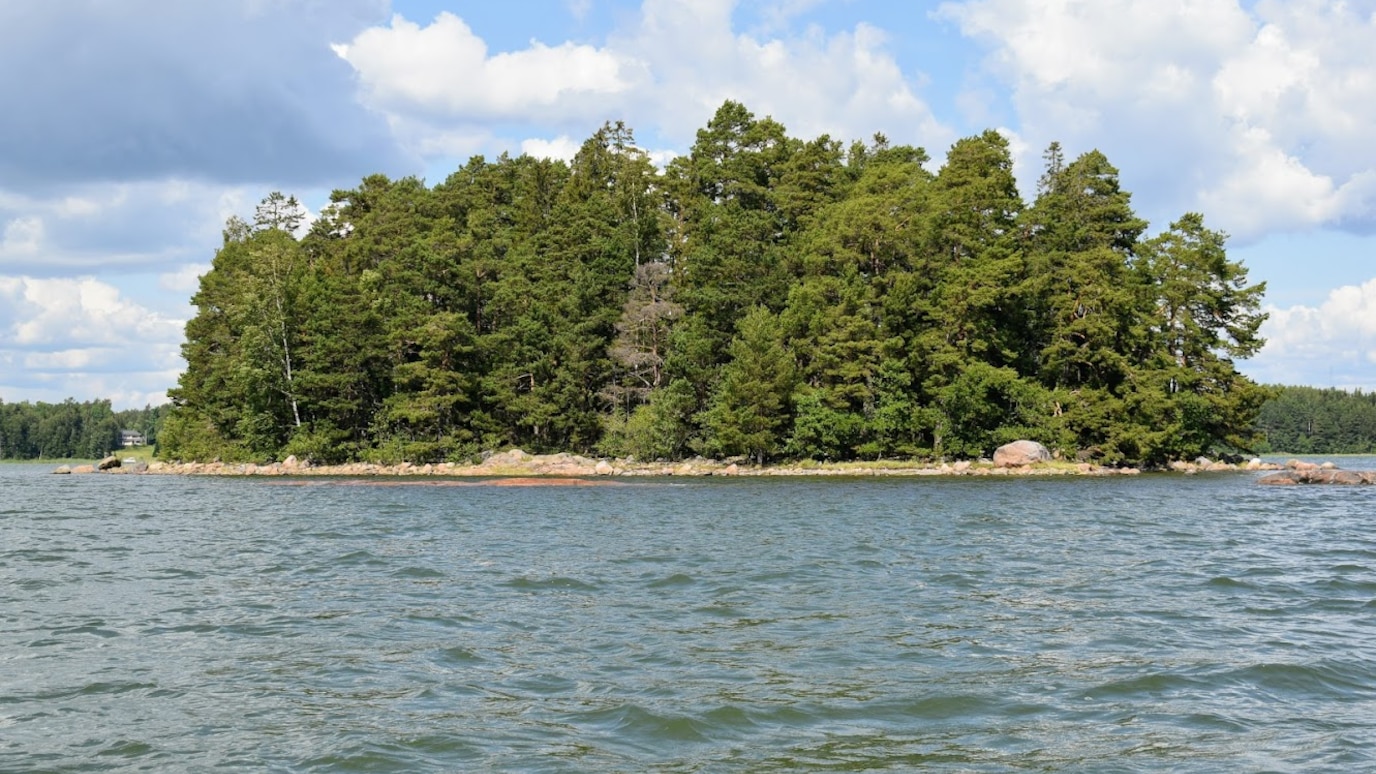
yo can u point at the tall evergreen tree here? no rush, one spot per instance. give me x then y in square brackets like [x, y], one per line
[1205, 316]
[972, 346]
[727, 221]
[749, 411]
[856, 259]
[1085, 304]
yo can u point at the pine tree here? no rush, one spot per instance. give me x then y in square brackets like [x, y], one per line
[1206, 315]
[750, 409]
[1085, 305]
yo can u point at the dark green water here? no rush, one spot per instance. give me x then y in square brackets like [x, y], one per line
[1159, 623]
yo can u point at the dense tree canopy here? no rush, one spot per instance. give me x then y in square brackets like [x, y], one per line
[1309, 420]
[69, 429]
[762, 296]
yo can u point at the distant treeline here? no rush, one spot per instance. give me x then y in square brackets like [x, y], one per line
[1310, 420]
[71, 430]
[762, 296]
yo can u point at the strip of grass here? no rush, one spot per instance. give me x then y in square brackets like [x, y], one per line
[135, 453]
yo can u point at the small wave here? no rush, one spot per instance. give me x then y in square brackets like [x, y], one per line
[126, 748]
[1348, 585]
[360, 557]
[168, 573]
[677, 579]
[558, 583]
[95, 627]
[271, 629]
[35, 584]
[192, 628]
[64, 557]
[424, 753]
[1225, 582]
[442, 621]
[88, 689]
[1349, 568]
[897, 712]
[115, 687]
[943, 707]
[718, 610]
[458, 655]
[1156, 684]
[634, 723]
[650, 559]
[1322, 680]
[417, 572]
[1217, 722]
[730, 716]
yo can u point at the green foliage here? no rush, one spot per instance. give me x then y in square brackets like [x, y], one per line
[654, 430]
[985, 407]
[762, 296]
[749, 410]
[1309, 420]
[821, 432]
[320, 443]
[59, 430]
[189, 434]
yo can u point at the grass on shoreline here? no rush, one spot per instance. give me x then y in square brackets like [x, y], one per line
[136, 454]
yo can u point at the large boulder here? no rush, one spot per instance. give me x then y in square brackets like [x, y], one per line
[1335, 476]
[107, 463]
[1318, 476]
[1020, 453]
[1300, 465]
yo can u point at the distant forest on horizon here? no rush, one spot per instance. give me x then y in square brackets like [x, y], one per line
[71, 430]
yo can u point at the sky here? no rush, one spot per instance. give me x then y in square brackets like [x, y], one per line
[131, 131]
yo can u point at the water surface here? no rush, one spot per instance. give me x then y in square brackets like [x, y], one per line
[1156, 623]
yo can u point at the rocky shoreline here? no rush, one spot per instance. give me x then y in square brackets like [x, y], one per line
[519, 464]
[1297, 472]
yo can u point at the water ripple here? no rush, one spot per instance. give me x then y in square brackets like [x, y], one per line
[1159, 623]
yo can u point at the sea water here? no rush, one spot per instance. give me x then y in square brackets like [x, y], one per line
[1154, 623]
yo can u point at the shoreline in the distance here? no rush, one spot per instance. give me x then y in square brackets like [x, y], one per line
[519, 464]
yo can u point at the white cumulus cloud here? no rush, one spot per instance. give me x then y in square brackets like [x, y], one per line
[81, 337]
[664, 71]
[444, 68]
[1260, 115]
[1332, 344]
[78, 310]
[23, 236]
[561, 147]
[844, 83]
